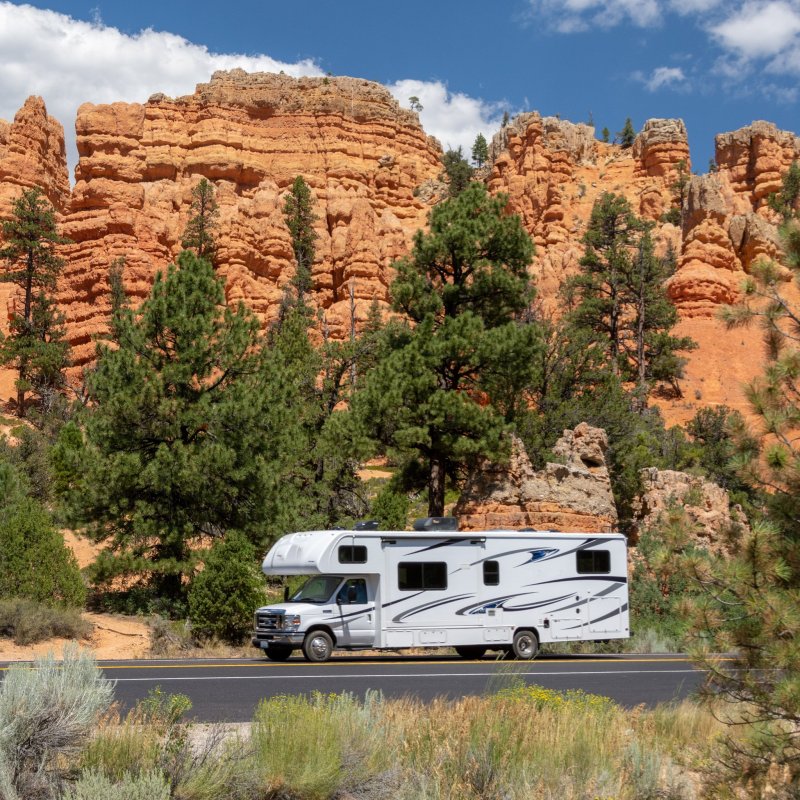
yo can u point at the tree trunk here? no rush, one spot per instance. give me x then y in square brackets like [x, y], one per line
[436, 478]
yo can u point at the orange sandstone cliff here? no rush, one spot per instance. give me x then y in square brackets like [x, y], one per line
[32, 154]
[362, 155]
[374, 175]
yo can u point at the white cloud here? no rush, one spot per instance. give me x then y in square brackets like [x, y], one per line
[759, 30]
[69, 62]
[665, 78]
[571, 16]
[750, 35]
[685, 7]
[455, 119]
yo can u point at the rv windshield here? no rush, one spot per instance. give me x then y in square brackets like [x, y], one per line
[317, 589]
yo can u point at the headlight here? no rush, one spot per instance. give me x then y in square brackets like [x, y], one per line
[291, 622]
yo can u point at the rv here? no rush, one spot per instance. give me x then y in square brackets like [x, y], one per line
[502, 590]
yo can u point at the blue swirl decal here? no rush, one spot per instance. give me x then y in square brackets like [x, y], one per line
[539, 555]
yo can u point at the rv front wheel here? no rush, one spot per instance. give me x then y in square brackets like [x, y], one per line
[525, 645]
[278, 652]
[317, 646]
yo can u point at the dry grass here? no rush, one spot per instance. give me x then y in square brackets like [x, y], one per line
[519, 742]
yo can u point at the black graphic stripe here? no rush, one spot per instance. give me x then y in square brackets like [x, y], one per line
[429, 606]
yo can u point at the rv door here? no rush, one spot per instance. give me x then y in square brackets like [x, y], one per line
[356, 610]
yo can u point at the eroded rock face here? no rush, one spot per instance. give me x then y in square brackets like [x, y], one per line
[363, 157]
[660, 146]
[553, 172]
[717, 523]
[728, 224]
[32, 154]
[573, 496]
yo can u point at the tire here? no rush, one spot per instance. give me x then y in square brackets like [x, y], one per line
[524, 646]
[318, 646]
[278, 652]
[471, 651]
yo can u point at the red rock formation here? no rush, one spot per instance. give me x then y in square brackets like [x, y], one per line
[554, 171]
[717, 522]
[754, 160]
[374, 175]
[32, 154]
[363, 157]
[573, 496]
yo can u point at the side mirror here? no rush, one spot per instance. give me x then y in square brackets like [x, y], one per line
[285, 594]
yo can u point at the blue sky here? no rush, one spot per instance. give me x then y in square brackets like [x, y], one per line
[717, 64]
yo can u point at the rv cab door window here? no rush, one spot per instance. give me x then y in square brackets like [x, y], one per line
[354, 590]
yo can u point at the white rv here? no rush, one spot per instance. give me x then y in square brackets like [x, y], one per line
[494, 590]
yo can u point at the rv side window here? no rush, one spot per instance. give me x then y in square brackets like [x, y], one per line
[491, 573]
[416, 575]
[593, 561]
[352, 554]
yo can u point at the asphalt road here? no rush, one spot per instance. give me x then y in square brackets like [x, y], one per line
[229, 690]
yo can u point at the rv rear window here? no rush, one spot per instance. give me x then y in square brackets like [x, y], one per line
[593, 561]
[491, 573]
[352, 554]
[416, 575]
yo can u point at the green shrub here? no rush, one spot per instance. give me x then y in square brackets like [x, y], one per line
[34, 561]
[46, 715]
[391, 507]
[223, 597]
[673, 216]
[321, 745]
[153, 738]
[28, 622]
[94, 785]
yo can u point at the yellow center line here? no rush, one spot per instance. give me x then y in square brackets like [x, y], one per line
[398, 662]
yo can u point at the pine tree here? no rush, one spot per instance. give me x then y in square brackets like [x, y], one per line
[457, 171]
[680, 186]
[627, 135]
[751, 599]
[785, 202]
[200, 230]
[620, 300]
[36, 345]
[186, 434]
[299, 215]
[601, 286]
[480, 151]
[327, 445]
[463, 289]
[652, 352]
[223, 596]
[606, 134]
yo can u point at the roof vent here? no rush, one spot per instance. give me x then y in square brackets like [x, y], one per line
[436, 524]
[367, 525]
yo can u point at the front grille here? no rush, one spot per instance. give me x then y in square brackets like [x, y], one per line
[269, 622]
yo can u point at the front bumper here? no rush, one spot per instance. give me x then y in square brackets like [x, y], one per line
[264, 640]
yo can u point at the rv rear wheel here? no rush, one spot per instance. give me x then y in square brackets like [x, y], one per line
[278, 652]
[525, 645]
[471, 651]
[317, 646]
